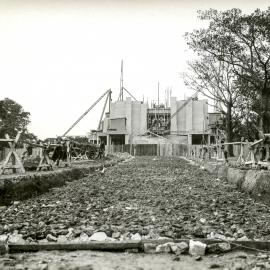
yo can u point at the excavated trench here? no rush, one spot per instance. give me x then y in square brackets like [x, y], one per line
[253, 182]
[17, 187]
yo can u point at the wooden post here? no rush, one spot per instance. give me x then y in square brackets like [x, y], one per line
[16, 163]
[44, 161]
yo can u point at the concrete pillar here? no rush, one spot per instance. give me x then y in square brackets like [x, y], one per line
[173, 110]
[127, 137]
[189, 116]
[189, 139]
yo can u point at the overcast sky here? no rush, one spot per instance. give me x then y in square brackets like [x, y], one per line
[58, 57]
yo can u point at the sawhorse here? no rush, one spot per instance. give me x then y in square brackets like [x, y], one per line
[12, 156]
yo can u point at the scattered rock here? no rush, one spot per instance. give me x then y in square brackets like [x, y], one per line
[41, 224]
[151, 190]
[218, 248]
[62, 239]
[51, 238]
[164, 238]
[84, 237]
[16, 239]
[116, 235]
[196, 248]
[179, 248]
[3, 208]
[238, 266]
[262, 256]
[240, 233]
[164, 248]
[136, 236]
[3, 238]
[98, 236]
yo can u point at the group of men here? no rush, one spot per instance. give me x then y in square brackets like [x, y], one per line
[60, 151]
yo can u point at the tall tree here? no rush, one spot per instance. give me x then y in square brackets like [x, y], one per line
[243, 42]
[217, 81]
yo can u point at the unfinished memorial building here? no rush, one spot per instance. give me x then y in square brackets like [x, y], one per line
[135, 122]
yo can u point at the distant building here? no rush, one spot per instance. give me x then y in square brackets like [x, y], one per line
[185, 121]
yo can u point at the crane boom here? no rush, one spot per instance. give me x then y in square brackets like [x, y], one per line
[84, 114]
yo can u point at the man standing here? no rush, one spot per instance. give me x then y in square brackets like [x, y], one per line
[101, 152]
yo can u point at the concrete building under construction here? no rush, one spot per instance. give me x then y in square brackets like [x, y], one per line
[134, 122]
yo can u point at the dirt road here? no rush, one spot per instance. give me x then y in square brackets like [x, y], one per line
[153, 197]
[92, 260]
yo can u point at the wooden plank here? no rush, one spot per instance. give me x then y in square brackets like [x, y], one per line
[7, 140]
[100, 245]
[8, 167]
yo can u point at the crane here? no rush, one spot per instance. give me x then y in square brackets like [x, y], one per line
[108, 92]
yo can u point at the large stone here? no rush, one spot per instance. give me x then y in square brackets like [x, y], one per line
[62, 239]
[116, 235]
[149, 248]
[179, 248]
[236, 176]
[16, 239]
[222, 172]
[98, 236]
[164, 248]
[3, 239]
[136, 236]
[51, 238]
[211, 167]
[257, 182]
[218, 248]
[196, 248]
[84, 237]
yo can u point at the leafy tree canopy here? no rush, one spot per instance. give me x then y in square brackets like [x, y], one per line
[13, 118]
[243, 42]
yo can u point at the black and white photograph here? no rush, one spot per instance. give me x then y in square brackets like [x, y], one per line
[134, 134]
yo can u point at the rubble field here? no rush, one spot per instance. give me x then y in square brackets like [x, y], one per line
[145, 198]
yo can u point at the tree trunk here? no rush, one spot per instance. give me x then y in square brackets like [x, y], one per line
[229, 128]
[266, 112]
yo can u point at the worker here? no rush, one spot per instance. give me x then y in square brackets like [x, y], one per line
[57, 153]
[224, 149]
[101, 151]
[28, 152]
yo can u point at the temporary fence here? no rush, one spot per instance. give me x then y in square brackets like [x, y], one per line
[4, 151]
[43, 155]
[244, 153]
[166, 149]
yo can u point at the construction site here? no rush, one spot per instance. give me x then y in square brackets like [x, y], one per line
[151, 180]
[172, 181]
[129, 121]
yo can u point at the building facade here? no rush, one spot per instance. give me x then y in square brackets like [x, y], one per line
[133, 122]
